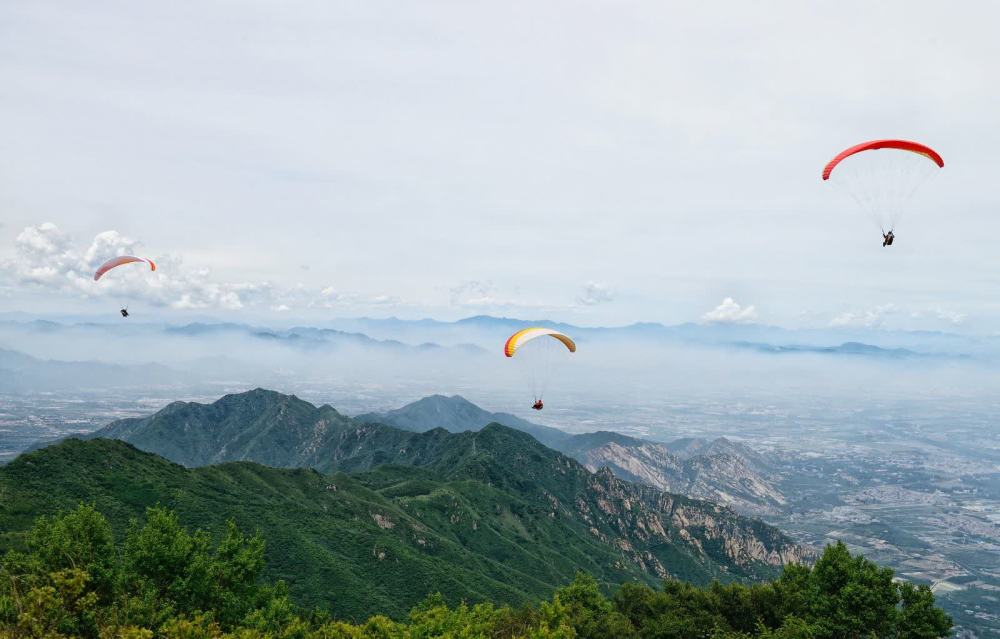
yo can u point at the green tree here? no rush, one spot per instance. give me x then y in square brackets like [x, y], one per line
[918, 617]
[590, 613]
[856, 598]
[63, 607]
[77, 540]
[171, 571]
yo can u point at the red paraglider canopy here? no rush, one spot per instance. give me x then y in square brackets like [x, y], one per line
[902, 145]
[120, 260]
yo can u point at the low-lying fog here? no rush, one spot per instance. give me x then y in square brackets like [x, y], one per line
[627, 375]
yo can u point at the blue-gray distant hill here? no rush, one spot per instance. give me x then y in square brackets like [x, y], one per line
[852, 349]
[488, 331]
[20, 373]
[456, 414]
[484, 335]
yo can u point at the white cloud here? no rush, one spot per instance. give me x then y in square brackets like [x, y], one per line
[347, 301]
[870, 318]
[730, 312]
[595, 293]
[47, 258]
[954, 318]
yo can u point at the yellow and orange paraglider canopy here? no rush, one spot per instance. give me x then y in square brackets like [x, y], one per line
[524, 336]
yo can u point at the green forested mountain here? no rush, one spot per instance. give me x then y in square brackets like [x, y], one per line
[492, 515]
[378, 519]
[333, 539]
[284, 431]
[76, 578]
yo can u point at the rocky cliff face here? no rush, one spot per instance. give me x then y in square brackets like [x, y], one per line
[646, 517]
[721, 474]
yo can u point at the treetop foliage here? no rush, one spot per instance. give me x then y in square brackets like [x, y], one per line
[162, 580]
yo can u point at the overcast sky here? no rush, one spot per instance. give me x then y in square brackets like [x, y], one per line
[593, 162]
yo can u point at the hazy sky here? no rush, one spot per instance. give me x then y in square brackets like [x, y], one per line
[593, 162]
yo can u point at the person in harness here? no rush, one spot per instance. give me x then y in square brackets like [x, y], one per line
[538, 405]
[887, 238]
[124, 312]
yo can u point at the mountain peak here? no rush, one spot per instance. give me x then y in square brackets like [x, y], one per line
[260, 424]
[457, 414]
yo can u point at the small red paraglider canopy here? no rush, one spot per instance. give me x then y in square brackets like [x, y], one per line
[902, 145]
[119, 261]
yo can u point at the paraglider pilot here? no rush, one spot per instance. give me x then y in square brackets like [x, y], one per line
[538, 405]
[124, 312]
[887, 238]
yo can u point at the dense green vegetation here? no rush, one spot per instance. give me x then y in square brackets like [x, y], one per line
[493, 523]
[163, 580]
[488, 516]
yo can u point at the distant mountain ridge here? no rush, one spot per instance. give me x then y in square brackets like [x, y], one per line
[456, 414]
[297, 336]
[843, 340]
[483, 334]
[24, 373]
[857, 349]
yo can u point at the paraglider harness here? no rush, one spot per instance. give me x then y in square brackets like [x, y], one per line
[887, 238]
[538, 405]
[124, 312]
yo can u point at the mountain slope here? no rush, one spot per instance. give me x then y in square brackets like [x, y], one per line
[336, 542]
[718, 470]
[283, 431]
[639, 519]
[490, 515]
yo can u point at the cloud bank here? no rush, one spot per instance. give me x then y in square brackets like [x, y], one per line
[46, 258]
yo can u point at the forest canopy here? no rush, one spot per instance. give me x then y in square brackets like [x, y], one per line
[74, 579]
